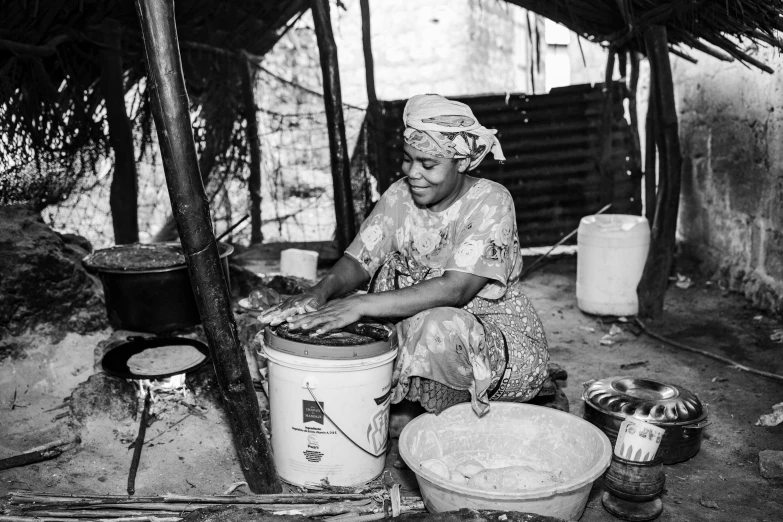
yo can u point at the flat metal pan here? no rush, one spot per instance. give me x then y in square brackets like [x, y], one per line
[115, 361]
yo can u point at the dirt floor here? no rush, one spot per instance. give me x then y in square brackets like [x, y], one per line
[189, 449]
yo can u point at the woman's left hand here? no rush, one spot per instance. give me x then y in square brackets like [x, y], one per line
[331, 316]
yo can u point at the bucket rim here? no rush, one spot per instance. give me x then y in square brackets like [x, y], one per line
[332, 353]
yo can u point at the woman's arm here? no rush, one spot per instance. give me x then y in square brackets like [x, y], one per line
[346, 275]
[451, 289]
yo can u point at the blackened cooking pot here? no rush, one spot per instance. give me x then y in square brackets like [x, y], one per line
[146, 286]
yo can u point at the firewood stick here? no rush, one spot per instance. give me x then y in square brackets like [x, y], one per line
[92, 514]
[337, 508]
[319, 510]
[9, 518]
[174, 508]
[138, 445]
[139, 519]
[29, 458]
[56, 443]
[23, 497]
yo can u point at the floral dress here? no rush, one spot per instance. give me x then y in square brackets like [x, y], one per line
[493, 348]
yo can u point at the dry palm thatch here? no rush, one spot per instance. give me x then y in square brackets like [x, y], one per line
[720, 28]
[52, 112]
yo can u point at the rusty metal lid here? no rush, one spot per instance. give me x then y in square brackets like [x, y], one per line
[357, 341]
[645, 399]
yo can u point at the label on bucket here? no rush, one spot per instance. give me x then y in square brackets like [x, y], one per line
[312, 412]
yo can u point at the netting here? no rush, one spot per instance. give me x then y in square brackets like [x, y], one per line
[297, 198]
[297, 202]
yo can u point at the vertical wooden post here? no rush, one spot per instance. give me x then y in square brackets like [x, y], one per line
[338, 147]
[607, 120]
[650, 154]
[375, 149]
[124, 185]
[251, 119]
[369, 64]
[189, 203]
[636, 153]
[655, 278]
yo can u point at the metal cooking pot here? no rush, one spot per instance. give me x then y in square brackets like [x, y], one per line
[155, 299]
[608, 402]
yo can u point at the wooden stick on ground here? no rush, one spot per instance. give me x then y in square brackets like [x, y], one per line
[138, 444]
[24, 497]
[73, 439]
[30, 457]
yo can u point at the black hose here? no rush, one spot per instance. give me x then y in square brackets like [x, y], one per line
[705, 353]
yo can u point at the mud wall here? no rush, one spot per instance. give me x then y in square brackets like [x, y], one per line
[731, 213]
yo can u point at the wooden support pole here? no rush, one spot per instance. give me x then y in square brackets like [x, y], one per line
[655, 278]
[253, 143]
[375, 124]
[170, 109]
[636, 152]
[369, 64]
[650, 154]
[607, 120]
[124, 185]
[338, 146]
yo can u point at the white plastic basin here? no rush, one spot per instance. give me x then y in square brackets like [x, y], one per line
[545, 437]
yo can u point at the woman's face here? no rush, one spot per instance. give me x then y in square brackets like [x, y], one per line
[434, 182]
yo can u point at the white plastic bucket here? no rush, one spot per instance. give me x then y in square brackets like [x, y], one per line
[342, 436]
[612, 251]
[299, 263]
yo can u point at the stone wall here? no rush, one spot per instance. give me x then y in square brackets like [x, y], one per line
[731, 213]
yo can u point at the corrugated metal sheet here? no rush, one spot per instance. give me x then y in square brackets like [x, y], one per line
[552, 144]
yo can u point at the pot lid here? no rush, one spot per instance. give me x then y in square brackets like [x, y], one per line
[154, 357]
[356, 341]
[645, 399]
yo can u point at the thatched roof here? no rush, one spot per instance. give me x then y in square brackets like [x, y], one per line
[51, 108]
[51, 104]
[722, 28]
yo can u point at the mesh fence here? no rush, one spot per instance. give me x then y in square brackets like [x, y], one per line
[297, 198]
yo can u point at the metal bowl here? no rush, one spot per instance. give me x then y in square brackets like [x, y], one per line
[610, 401]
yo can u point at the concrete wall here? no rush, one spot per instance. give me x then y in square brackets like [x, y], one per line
[731, 130]
[449, 47]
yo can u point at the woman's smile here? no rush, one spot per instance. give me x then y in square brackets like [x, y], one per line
[416, 189]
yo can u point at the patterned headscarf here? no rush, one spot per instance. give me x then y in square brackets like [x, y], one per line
[448, 129]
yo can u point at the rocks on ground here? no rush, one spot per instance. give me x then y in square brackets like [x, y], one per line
[43, 277]
[771, 464]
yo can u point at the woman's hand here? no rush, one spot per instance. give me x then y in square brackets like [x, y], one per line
[295, 305]
[333, 315]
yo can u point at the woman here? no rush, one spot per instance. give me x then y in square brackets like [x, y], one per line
[442, 250]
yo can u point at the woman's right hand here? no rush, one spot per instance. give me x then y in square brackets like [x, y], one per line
[295, 305]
